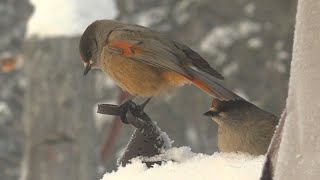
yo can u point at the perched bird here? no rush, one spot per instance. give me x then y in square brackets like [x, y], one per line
[242, 126]
[144, 62]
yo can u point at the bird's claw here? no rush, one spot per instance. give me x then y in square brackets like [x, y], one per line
[123, 110]
[138, 110]
[128, 111]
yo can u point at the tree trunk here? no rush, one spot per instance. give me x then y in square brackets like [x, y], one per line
[58, 113]
[298, 154]
[14, 16]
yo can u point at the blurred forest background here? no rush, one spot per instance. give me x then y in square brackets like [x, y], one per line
[48, 125]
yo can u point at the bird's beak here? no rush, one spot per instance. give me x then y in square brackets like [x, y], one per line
[212, 112]
[87, 67]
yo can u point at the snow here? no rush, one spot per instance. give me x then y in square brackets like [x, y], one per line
[5, 113]
[250, 9]
[187, 165]
[151, 16]
[181, 13]
[167, 142]
[67, 17]
[224, 36]
[255, 42]
[230, 68]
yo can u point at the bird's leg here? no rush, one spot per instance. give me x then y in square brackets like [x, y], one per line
[137, 110]
[124, 108]
[138, 117]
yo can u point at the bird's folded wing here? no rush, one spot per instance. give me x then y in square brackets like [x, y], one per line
[139, 44]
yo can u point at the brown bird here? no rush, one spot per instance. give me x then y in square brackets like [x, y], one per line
[242, 126]
[144, 62]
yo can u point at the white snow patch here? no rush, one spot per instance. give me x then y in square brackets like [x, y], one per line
[167, 142]
[255, 43]
[181, 12]
[5, 112]
[224, 36]
[186, 165]
[250, 9]
[152, 16]
[230, 69]
[67, 17]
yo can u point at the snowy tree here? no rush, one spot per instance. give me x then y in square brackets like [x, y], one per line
[295, 151]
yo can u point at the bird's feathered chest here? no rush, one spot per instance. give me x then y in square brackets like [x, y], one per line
[133, 76]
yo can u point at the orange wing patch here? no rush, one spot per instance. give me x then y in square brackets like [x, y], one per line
[126, 48]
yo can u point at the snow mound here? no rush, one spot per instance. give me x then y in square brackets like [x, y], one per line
[187, 165]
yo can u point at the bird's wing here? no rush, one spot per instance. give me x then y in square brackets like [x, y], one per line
[144, 45]
[198, 61]
[138, 43]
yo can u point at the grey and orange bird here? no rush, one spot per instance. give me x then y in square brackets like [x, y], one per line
[144, 62]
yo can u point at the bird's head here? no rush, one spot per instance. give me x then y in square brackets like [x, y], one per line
[92, 42]
[88, 48]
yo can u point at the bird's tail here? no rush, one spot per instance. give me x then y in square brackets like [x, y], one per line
[209, 84]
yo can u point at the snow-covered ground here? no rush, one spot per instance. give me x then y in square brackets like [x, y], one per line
[187, 165]
[67, 17]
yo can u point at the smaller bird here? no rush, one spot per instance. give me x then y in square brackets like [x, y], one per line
[242, 126]
[144, 62]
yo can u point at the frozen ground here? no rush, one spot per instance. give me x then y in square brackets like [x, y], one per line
[187, 165]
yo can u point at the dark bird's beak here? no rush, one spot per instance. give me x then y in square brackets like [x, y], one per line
[87, 69]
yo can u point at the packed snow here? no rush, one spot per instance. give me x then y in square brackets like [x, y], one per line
[67, 17]
[181, 163]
